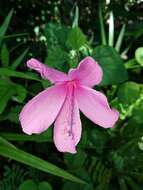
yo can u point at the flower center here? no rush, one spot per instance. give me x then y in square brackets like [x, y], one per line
[72, 83]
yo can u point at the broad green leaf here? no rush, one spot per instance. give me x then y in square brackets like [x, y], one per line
[76, 38]
[57, 57]
[139, 55]
[128, 93]
[28, 185]
[114, 71]
[4, 26]
[56, 34]
[38, 163]
[16, 63]
[4, 56]
[11, 73]
[137, 114]
[44, 186]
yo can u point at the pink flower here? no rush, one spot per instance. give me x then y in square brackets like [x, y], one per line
[61, 103]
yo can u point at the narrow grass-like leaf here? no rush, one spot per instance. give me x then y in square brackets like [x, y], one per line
[33, 161]
[102, 29]
[16, 63]
[111, 30]
[5, 25]
[6, 92]
[44, 137]
[132, 183]
[122, 184]
[120, 38]
[11, 73]
[14, 35]
[4, 55]
[6, 143]
[76, 17]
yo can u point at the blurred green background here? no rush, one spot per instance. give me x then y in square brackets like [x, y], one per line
[61, 33]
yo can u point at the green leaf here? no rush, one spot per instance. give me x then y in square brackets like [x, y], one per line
[137, 114]
[128, 93]
[56, 34]
[76, 18]
[83, 173]
[132, 183]
[28, 185]
[135, 30]
[6, 92]
[12, 114]
[5, 25]
[101, 20]
[16, 63]
[44, 186]
[139, 55]
[76, 38]
[20, 92]
[44, 137]
[120, 38]
[114, 71]
[6, 143]
[111, 29]
[57, 57]
[122, 184]
[11, 73]
[4, 56]
[37, 163]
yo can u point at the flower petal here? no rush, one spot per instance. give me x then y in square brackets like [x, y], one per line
[46, 72]
[88, 73]
[67, 129]
[40, 112]
[95, 106]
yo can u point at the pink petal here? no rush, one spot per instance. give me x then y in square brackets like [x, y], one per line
[67, 129]
[46, 72]
[40, 112]
[88, 73]
[95, 106]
